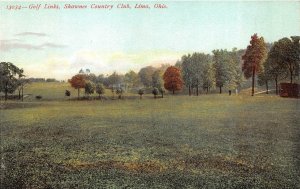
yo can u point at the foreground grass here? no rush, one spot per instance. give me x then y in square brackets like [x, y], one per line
[210, 141]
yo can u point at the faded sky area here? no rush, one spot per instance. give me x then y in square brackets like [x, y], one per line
[58, 43]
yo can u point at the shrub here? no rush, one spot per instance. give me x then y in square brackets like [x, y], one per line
[155, 92]
[119, 92]
[68, 93]
[89, 88]
[38, 97]
[141, 92]
[100, 89]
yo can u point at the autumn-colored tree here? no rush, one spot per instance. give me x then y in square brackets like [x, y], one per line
[253, 58]
[78, 81]
[172, 79]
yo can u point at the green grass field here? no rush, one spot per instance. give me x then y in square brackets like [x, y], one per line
[209, 141]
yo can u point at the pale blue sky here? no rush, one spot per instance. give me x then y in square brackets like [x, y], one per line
[120, 40]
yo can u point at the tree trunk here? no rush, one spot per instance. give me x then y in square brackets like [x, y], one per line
[173, 91]
[190, 90]
[78, 93]
[207, 90]
[22, 93]
[291, 72]
[19, 90]
[197, 87]
[267, 87]
[276, 85]
[220, 90]
[253, 80]
[6, 91]
[162, 95]
[6, 94]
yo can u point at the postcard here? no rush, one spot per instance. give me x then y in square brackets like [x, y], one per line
[149, 94]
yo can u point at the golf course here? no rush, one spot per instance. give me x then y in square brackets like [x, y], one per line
[179, 141]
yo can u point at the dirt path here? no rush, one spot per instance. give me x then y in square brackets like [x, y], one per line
[264, 91]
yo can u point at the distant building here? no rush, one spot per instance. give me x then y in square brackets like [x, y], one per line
[289, 90]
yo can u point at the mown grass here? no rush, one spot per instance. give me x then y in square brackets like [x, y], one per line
[210, 141]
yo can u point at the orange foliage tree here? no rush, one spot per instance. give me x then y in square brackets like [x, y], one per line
[254, 57]
[172, 79]
[78, 81]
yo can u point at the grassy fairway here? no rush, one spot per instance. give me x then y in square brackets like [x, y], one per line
[210, 141]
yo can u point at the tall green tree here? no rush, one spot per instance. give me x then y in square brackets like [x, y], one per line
[187, 71]
[222, 67]
[235, 69]
[274, 67]
[198, 60]
[193, 67]
[263, 76]
[208, 76]
[253, 58]
[287, 53]
[9, 75]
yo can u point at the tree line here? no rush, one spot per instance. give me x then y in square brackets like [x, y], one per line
[268, 62]
[280, 61]
[199, 71]
[158, 79]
